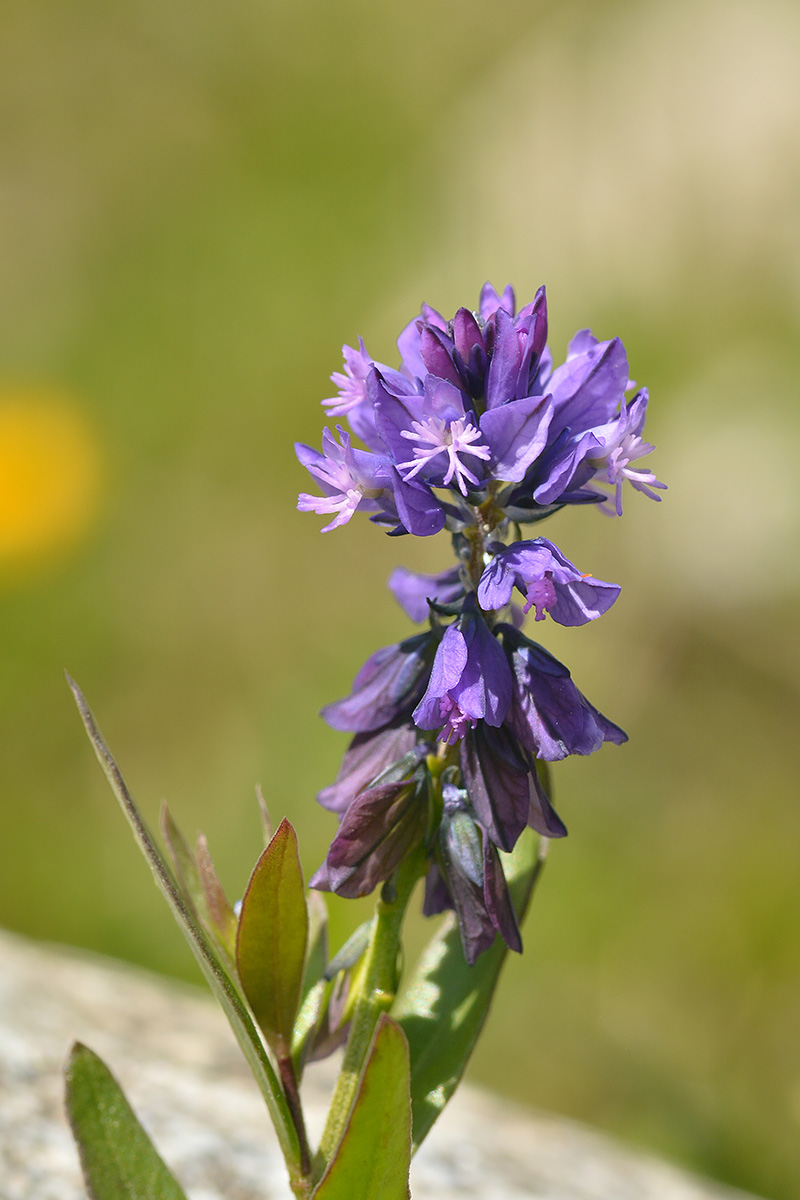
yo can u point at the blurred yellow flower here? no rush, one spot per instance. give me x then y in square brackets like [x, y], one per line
[49, 476]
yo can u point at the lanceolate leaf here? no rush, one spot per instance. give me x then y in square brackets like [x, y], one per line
[217, 905]
[119, 1161]
[183, 862]
[373, 1157]
[444, 1005]
[207, 957]
[272, 937]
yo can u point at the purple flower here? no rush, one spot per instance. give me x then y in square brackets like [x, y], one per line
[547, 713]
[620, 446]
[386, 688]
[503, 787]
[549, 582]
[470, 680]
[412, 591]
[351, 479]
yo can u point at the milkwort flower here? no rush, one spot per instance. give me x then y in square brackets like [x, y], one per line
[474, 432]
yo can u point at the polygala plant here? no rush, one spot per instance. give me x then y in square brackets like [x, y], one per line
[446, 778]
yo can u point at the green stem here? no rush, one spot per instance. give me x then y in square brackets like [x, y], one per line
[377, 993]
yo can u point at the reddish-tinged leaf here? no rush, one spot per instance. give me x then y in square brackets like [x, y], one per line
[272, 937]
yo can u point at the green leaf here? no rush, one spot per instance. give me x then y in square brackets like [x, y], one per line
[203, 949]
[272, 937]
[183, 862]
[445, 1003]
[373, 1157]
[218, 910]
[119, 1161]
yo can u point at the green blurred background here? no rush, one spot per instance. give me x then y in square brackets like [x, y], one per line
[199, 204]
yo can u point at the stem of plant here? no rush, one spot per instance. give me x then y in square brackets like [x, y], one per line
[377, 994]
[300, 1186]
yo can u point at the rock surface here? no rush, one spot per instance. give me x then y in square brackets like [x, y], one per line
[181, 1069]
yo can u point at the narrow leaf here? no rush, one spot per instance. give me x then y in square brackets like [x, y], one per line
[373, 1157]
[272, 937]
[183, 862]
[266, 823]
[445, 1003]
[217, 906]
[204, 951]
[119, 1161]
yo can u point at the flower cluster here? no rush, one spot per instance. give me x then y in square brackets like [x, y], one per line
[476, 433]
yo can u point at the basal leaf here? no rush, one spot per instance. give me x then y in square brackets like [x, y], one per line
[445, 1003]
[272, 938]
[373, 1157]
[119, 1161]
[203, 949]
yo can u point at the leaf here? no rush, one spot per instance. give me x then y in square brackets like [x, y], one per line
[119, 1161]
[272, 938]
[183, 862]
[445, 1003]
[203, 949]
[372, 1159]
[218, 910]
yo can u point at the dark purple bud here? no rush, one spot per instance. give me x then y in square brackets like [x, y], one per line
[497, 781]
[387, 686]
[378, 830]
[469, 878]
[548, 714]
[501, 378]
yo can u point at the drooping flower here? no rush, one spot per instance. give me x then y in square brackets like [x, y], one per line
[387, 687]
[470, 680]
[549, 582]
[547, 713]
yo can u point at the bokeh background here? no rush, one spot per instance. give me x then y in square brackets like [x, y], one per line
[199, 204]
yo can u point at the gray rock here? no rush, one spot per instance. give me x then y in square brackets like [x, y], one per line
[180, 1067]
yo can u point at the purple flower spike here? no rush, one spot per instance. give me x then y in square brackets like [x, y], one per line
[548, 714]
[412, 591]
[470, 681]
[549, 581]
[387, 687]
[351, 479]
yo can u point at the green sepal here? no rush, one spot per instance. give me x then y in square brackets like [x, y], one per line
[212, 966]
[445, 1003]
[272, 938]
[373, 1157]
[118, 1159]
